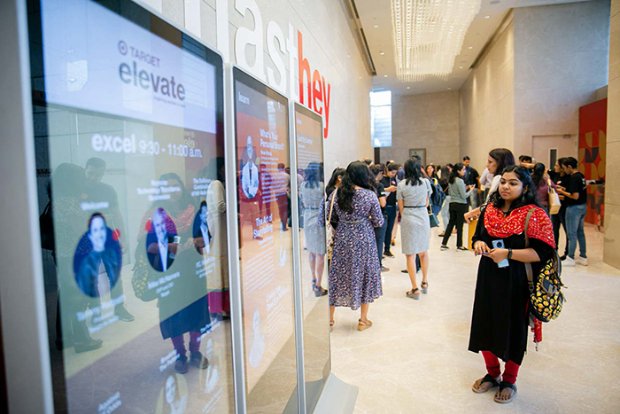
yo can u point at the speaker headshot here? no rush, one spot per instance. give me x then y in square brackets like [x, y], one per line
[249, 172]
[200, 230]
[97, 259]
[161, 241]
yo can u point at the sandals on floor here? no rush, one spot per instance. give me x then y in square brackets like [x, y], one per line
[424, 286]
[363, 325]
[413, 294]
[504, 389]
[484, 384]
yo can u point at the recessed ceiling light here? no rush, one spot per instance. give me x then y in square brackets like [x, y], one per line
[376, 26]
[385, 76]
[470, 47]
[487, 17]
[382, 53]
[408, 87]
[460, 67]
[449, 89]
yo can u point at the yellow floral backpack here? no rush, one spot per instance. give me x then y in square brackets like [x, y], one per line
[546, 297]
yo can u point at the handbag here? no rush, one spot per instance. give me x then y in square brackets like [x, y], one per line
[546, 297]
[554, 200]
[433, 220]
[46, 224]
[331, 232]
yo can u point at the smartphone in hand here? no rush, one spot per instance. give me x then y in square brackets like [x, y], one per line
[499, 244]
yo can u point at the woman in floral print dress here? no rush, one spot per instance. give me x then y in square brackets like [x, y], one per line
[355, 274]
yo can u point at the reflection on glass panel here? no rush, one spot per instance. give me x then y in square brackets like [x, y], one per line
[309, 139]
[129, 143]
[264, 176]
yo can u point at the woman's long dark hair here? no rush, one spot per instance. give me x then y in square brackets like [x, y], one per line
[331, 185]
[413, 174]
[357, 174]
[503, 157]
[455, 172]
[538, 173]
[529, 189]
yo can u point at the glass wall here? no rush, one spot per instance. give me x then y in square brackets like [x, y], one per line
[130, 149]
[309, 140]
[265, 251]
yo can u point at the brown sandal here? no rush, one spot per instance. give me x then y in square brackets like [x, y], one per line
[506, 393]
[484, 384]
[363, 325]
[413, 294]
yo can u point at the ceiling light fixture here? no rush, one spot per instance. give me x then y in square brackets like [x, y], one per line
[487, 17]
[429, 34]
[382, 53]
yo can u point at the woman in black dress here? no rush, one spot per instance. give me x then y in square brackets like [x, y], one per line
[501, 314]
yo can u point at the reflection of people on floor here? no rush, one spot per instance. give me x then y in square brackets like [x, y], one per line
[175, 403]
[98, 191]
[101, 262]
[161, 247]
[281, 187]
[257, 348]
[185, 308]
[68, 185]
[249, 171]
[311, 195]
[201, 233]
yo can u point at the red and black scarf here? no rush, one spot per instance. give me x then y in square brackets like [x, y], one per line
[502, 226]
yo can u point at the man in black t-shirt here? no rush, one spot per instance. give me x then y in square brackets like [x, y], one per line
[575, 197]
[470, 178]
[389, 183]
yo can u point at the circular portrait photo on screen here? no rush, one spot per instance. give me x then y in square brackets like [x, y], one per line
[173, 396]
[200, 230]
[98, 259]
[161, 240]
[249, 171]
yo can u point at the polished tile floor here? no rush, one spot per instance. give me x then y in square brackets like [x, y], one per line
[415, 359]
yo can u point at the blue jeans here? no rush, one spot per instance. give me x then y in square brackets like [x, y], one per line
[575, 216]
[445, 213]
[379, 236]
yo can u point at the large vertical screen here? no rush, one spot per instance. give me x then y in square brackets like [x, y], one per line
[309, 141]
[263, 182]
[129, 137]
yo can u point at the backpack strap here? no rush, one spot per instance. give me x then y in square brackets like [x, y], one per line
[331, 206]
[528, 266]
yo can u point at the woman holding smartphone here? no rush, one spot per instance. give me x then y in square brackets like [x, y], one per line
[500, 317]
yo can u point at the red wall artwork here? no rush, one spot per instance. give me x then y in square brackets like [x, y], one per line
[592, 156]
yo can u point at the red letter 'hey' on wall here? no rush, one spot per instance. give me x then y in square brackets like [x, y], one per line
[318, 93]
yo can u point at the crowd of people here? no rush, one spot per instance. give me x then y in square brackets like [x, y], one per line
[366, 202]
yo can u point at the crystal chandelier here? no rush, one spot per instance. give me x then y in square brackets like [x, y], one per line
[429, 34]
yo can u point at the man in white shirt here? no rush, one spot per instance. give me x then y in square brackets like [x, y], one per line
[249, 172]
[159, 251]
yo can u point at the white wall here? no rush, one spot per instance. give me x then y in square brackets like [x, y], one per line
[328, 44]
[560, 61]
[428, 121]
[487, 102]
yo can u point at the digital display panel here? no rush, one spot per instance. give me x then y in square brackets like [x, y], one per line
[309, 141]
[263, 181]
[129, 124]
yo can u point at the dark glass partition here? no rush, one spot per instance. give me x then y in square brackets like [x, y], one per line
[264, 176]
[309, 140]
[130, 149]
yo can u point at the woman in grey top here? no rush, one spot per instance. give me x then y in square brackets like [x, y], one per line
[311, 195]
[413, 194]
[458, 206]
